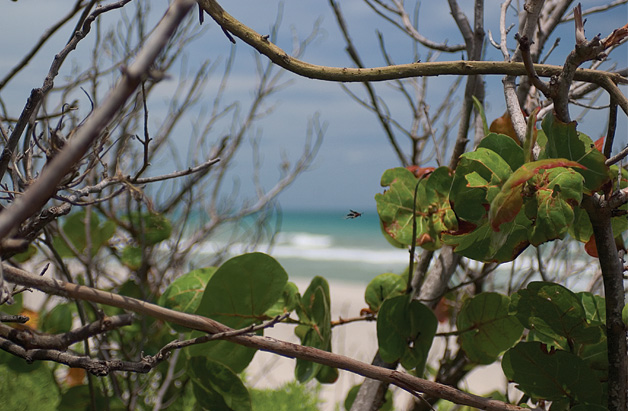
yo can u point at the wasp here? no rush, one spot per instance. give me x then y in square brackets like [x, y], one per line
[353, 214]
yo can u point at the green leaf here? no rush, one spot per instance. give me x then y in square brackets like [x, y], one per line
[505, 147]
[36, 390]
[216, 387]
[238, 294]
[148, 228]
[433, 210]
[594, 307]
[79, 398]
[470, 200]
[353, 393]
[184, 294]
[491, 330]
[382, 287]
[58, 320]
[507, 204]
[563, 141]
[132, 257]
[551, 375]
[483, 244]
[480, 110]
[315, 331]
[405, 331]
[556, 312]
[74, 229]
[287, 302]
[26, 255]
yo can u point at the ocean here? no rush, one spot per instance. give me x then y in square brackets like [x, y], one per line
[325, 243]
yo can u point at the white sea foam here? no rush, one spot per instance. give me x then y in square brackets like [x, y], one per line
[313, 247]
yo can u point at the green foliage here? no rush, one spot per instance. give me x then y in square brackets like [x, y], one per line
[217, 387]
[79, 398]
[498, 201]
[551, 374]
[405, 331]
[353, 393]
[184, 294]
[288, 301]
[565, 359]
[58, 320]
[433, 210]
[74, 228]
[315, 330]
[555, 313]
[149, 228]
[238, 294]
[34, 390]
[383, 286]
[289, 397]
[487, 329]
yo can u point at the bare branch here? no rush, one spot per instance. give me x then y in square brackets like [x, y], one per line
[44, 187]
[196, 322]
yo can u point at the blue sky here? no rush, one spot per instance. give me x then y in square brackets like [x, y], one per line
[355, 152]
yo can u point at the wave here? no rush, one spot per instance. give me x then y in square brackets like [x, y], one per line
[313, 247]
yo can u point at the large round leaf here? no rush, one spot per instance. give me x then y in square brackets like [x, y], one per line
[238, 295]
[216, 387]
[487, 328]
[551, 374]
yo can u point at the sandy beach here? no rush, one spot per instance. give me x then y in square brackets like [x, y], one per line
[357, 340]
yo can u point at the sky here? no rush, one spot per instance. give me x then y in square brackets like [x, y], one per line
[355, 152]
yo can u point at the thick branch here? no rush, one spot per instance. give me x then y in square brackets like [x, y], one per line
[196, 322]
[282, 59]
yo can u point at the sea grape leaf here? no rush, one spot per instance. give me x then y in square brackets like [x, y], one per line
[557, 193]
[383, 286]
[405, 331]
[58, 319]
[314, 313]
[288, 301]
[480, 109]
[563, 141]
[487, 329]
[594, 307]
[149, 228]
[184, 294]
[216, 387]
[471, 201]
[484, 244]
[131, 257]
[237, 295]
[433, 210]
[507, 204]
[556, 312]
[74, 230]
[505, 147]
[388, 404]
[33, 390]
[24, 256]
[551, 374]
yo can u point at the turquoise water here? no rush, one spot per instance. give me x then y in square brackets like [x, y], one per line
[326, 243]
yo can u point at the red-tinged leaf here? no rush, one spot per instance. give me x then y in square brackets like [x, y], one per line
[505, 207]
[503, 125]
[507, 204]
[591, 247]
[420, 172]
[529, 170]
[599, 144]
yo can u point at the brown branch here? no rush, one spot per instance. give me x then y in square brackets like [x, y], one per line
[282, 59]
[612, 272]
[196, 322]
[30, 339]
[97, 367]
